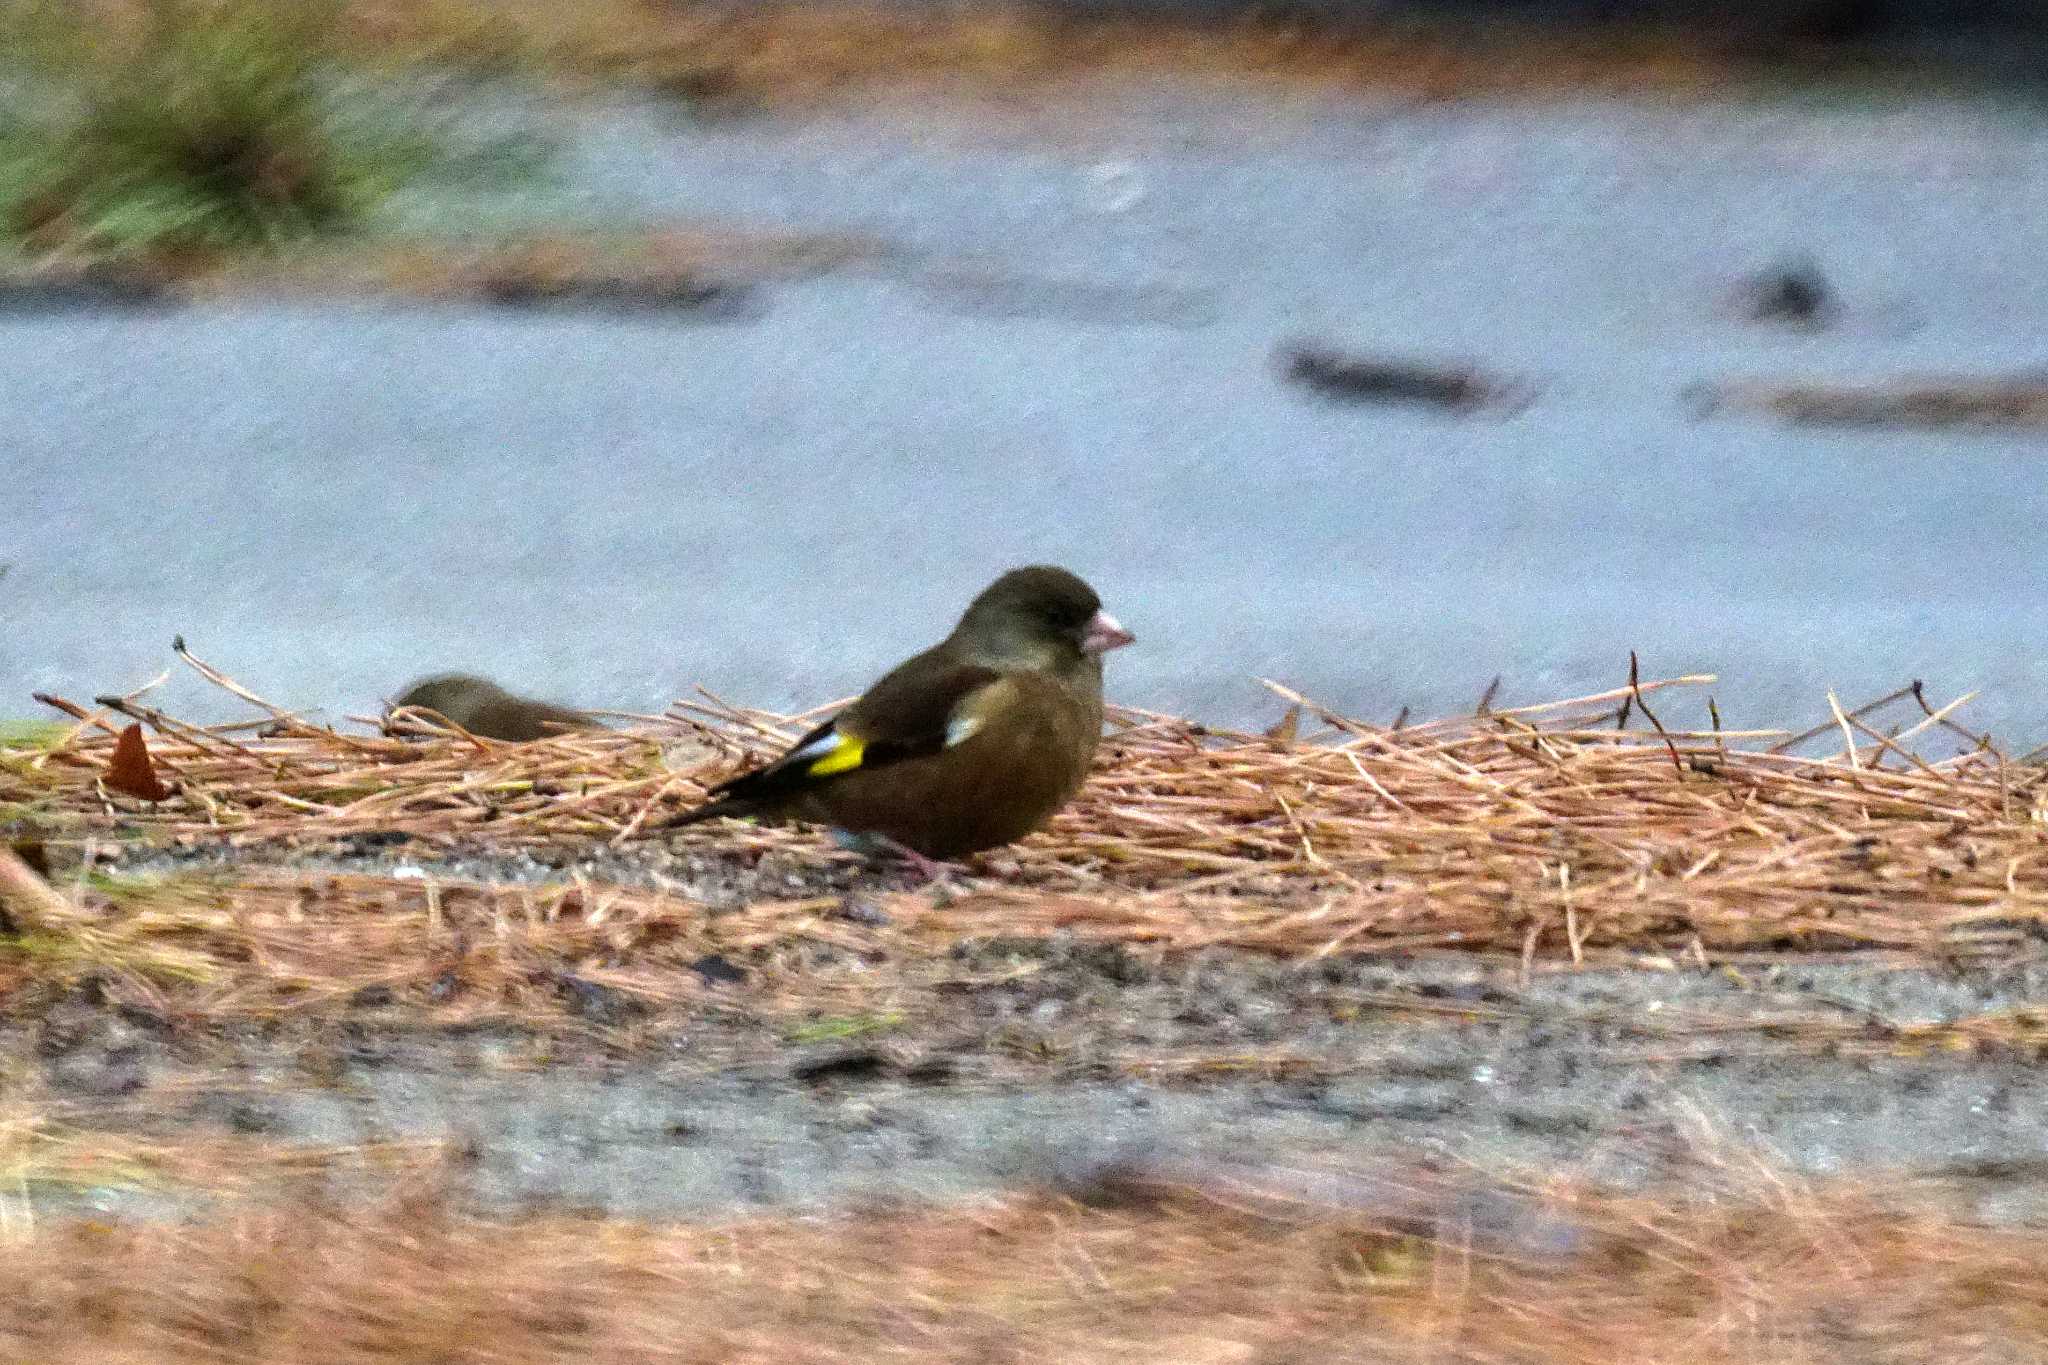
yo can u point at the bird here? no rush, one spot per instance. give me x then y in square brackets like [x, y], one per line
[482, 707]
[972, 744]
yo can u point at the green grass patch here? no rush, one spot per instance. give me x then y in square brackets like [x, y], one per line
[212, 125]
[24, 743]
[127, 888]
[838, 1028]
[32, 734]
[72, 955]
[42, 1158]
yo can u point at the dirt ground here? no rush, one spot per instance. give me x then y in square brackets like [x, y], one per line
[1518, 1037]
[1032, 1062]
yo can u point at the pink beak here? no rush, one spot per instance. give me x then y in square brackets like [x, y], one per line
[1104, 633]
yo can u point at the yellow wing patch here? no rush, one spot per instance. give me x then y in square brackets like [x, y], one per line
[845, 757]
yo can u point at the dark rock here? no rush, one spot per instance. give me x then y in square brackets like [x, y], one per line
[837, 1063]
[719, 970]
[862, 910]
[598, 1003]
[1792, 291]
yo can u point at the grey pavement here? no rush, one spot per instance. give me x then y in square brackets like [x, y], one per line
[328, 500]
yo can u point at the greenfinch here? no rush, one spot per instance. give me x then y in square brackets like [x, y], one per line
[971, 744]
[482, 707]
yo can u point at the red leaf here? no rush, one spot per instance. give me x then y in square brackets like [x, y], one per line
[130, 772]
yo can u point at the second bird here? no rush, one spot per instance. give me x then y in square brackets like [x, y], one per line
[482, 707]
[974, 743]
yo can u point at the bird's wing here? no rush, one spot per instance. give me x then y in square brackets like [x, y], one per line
[908, 714]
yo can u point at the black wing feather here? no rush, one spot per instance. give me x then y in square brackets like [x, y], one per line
[903, 716]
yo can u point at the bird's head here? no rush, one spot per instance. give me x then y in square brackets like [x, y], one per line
[1039, 616]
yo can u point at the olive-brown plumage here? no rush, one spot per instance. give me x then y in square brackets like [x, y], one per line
[482, 707]
[974, 743]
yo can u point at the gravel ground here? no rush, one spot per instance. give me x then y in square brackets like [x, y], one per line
[1046, 1061]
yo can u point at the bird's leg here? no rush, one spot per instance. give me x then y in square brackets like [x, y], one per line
[871, 844]
[930, 870]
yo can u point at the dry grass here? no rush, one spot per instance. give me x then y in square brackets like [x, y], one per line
[721, 58]
[1744, 1266]
[1549, 832]
[1553, 837]
[2019, 403]
[618, 965]
[651, 266]
[48, 1150]
[702, 270]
